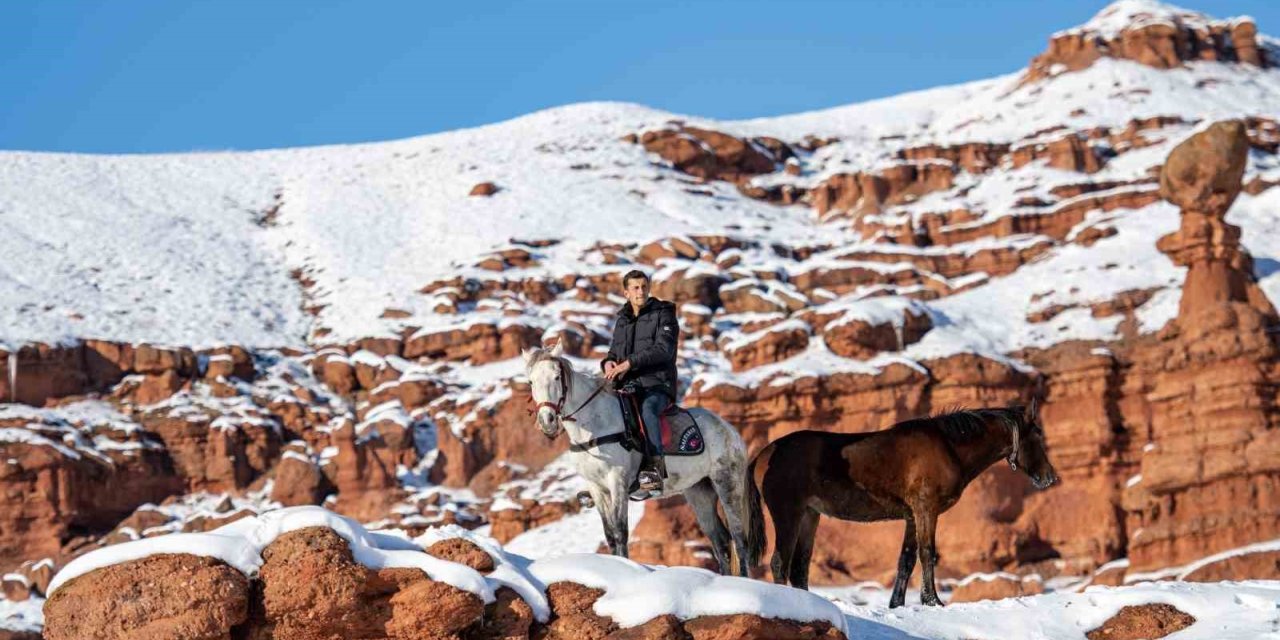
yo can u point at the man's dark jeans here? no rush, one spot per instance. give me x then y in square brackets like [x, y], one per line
[650, 408]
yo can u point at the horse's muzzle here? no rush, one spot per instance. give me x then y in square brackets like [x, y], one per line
[1045, 481]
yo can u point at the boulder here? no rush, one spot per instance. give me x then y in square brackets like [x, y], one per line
[462, 551]
[298, 482]
[1142, 622]
[176, 596]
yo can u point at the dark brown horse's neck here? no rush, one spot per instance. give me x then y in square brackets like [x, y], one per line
[979, 453]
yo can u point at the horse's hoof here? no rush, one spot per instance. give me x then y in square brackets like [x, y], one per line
[585, 500]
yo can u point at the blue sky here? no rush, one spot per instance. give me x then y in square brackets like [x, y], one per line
[127, 77]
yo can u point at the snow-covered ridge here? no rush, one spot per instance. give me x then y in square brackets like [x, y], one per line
[634, 593]
[1125, 15]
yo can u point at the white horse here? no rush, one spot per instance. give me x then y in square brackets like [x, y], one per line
[586, 408]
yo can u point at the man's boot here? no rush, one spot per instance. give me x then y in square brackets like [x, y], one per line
[651, 479]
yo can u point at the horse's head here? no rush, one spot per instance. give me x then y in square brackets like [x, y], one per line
[1029, 451]
[549, 386]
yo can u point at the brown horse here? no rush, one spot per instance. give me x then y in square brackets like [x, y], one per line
[912, 471]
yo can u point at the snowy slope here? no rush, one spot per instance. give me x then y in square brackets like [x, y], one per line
[1223, 611]
[197, 249]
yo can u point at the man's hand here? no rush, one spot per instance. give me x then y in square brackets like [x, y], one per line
[617, 371]
[608, 367]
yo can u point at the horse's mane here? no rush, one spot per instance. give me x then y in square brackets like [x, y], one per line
[962, 425]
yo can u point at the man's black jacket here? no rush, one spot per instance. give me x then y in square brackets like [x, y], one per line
[649, 341]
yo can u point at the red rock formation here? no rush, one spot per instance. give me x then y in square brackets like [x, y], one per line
[1069, 153]
[43, 372]
[668, 534]
[712, 155]
[1258, 565]
[1143, 622]
[309, 586]
[862, 339]
[861, 193]
[974, 157]
[1163, 44]
[163, 596]
[502, 432]
[364, 473]
[478, 343]
[995, 587]
[298, 482]
[770, 346]
[697, 284]
[50, 493]
[1203, 177]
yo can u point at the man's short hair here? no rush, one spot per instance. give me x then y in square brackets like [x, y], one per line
[634, 274]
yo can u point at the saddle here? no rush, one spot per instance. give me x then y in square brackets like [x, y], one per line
[680, 433]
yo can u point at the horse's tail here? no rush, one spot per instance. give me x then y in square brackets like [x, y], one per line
[754, 514]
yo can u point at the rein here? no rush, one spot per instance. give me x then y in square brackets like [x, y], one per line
[558, 406]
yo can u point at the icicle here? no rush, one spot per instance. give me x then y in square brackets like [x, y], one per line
[13, 376]
[899, 325]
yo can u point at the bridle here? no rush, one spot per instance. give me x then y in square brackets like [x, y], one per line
[1017, 444]
[557, 407]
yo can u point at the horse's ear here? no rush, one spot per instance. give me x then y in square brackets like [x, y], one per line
[527, 354]
[1032, 415]
[557, 350]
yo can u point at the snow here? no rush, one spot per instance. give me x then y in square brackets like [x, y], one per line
[1126, 15]
[1224, 611]
[240, 545]
[510, 570]
[578, 533]
[690, 592]
[26, 615]
[636, 593]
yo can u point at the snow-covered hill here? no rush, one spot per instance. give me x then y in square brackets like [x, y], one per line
[197, 249]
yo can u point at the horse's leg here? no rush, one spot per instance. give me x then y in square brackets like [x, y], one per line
[728, 484]
[806, 531]
[906, 564]
[702, 497]
[618, 515]
[926, 518]
[604, 507]
[786, 519]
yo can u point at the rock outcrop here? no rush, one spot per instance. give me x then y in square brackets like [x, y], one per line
[310, 586]
[1150, 34]
[1143, 622]
[163, 596]
[712, 155]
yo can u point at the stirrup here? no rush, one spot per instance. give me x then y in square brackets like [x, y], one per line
[650, 481]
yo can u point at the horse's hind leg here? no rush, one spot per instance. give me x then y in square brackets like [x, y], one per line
[926, 525]
[806, 531]
[702, 497]
[906, 564]
[786, 521]
[728, 485]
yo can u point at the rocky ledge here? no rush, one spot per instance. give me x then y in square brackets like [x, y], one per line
[305, 573]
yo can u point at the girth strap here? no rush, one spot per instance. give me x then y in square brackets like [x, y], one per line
[597, 442]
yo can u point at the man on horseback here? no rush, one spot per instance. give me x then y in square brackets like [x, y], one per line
[642, 354]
